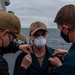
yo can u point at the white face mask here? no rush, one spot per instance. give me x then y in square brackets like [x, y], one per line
[40, 41]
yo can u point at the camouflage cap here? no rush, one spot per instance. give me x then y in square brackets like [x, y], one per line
[37, 26]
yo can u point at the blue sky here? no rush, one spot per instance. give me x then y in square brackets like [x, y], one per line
[30, 11]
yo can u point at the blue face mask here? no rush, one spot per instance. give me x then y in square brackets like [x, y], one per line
[40, 41]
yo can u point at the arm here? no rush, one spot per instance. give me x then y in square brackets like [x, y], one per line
[14, 47]
[65, 69]
[23, 61]
[11, 48]
[60, 52]
[62, 69]
[3, 66]
[20, 71]
[55, 61]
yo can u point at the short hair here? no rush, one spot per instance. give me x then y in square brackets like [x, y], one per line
[66, 15]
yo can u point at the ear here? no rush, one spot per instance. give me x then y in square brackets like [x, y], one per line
[66, 28]
[3, 34]
[31, 37]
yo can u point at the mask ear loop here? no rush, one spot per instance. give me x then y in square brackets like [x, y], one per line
[62, 29]
[2, 42]
[9, 37]
[2, 39]
[68, 32]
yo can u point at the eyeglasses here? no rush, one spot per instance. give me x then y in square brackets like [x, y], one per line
[13, 35]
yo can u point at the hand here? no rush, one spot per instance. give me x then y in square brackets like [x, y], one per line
[55, 61]
[25, 48]
[26, 62]
[60, 52]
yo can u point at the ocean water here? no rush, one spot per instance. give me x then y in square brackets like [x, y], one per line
[54, 40]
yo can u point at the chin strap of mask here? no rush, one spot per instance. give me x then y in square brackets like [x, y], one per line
[9, 37]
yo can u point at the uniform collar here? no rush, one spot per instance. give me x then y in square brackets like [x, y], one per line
[45, 62]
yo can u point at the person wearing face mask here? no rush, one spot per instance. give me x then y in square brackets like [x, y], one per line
[36, 63]
[65, 20]
[9, 30]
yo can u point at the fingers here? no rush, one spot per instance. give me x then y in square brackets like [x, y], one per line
[60, 52]
[27, 60]
[29, 49]
[28, 56]
[25, 48]
[56, 52]
[55, 61]
[50, 59]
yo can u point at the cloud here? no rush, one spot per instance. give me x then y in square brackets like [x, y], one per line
[27, 20]
[32, 10]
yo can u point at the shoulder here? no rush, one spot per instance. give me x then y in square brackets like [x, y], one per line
[20, 56]
[19, 59]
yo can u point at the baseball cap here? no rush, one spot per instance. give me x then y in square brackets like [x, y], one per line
[11, 22]
[35, 26]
